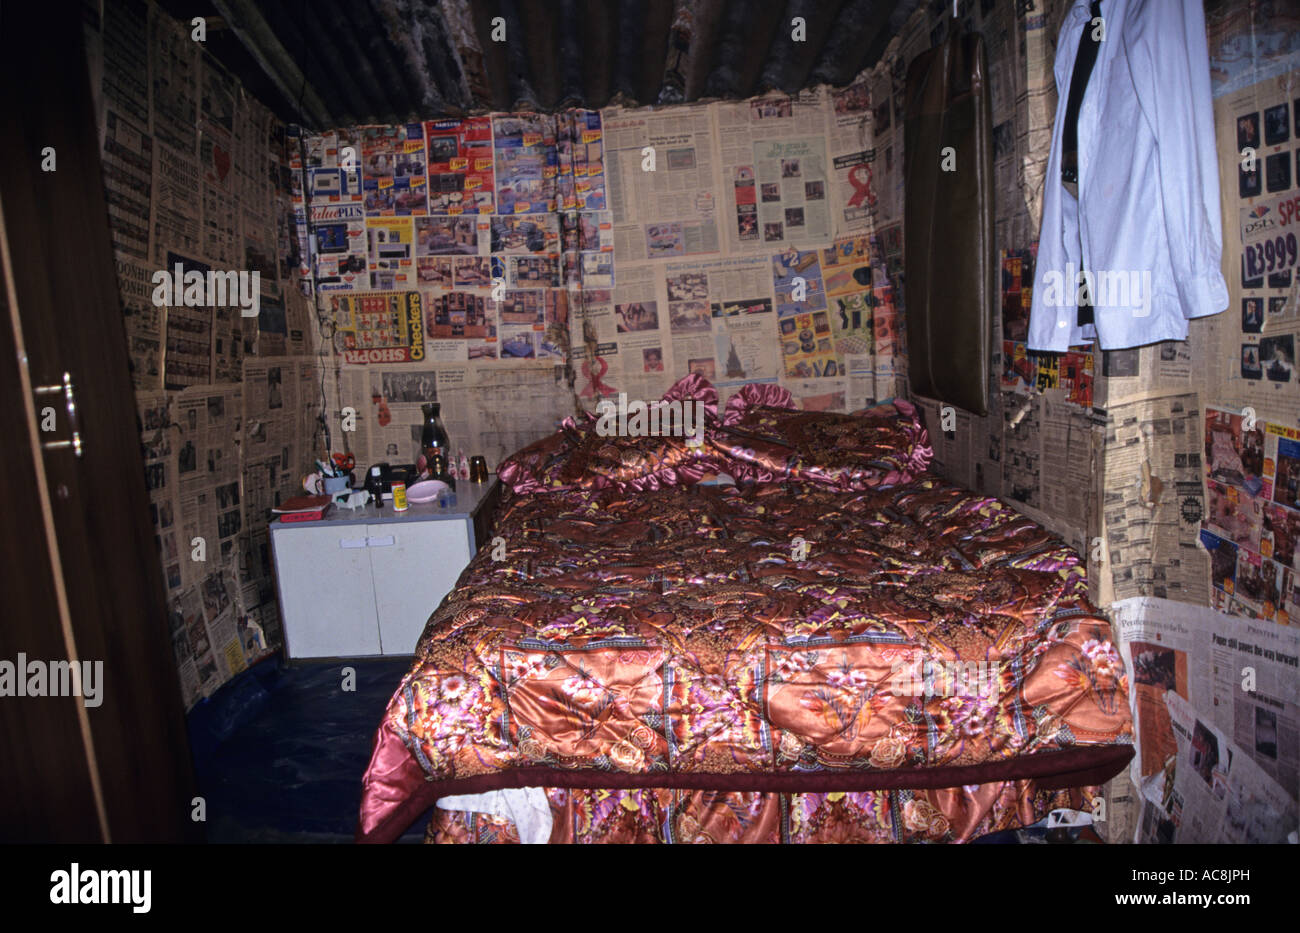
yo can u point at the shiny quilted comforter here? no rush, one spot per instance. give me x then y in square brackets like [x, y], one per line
[780, 637]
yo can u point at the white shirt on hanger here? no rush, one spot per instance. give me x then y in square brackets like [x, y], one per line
[1145, 234]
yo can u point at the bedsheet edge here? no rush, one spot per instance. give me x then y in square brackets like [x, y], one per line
[389, 805]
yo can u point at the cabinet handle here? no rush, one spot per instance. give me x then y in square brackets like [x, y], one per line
[386, 541]
[352, 542]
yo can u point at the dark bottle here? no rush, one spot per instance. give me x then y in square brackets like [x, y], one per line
[375, 483]
[433, 439]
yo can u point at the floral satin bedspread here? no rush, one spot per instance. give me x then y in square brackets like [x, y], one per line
[781, 637]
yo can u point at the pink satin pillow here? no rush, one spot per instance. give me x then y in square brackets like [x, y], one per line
[765, 439]
[761, 437]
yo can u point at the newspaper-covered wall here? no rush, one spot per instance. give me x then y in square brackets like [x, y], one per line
[1218, 723]
[1169, 466]
[1039, 444]
[227, 400]
[516, 267]
[1252, 438]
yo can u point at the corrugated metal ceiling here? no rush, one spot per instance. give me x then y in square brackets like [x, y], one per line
[325, 63]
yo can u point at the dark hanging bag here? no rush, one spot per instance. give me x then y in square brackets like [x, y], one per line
[949, 259]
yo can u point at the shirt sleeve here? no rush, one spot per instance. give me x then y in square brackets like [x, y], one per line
[1170, 61]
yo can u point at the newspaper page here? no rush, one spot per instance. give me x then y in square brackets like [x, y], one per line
[207, 466]
[461, 175]
[792, 178]
[1259, 334]
[144, 323]
[176, 209]
[294, 240]
[634, 338]
[852, 153]
[1252, 519]
[1067, 464]
[174, 58]
[527, 163]
[1022, 434]
[191, 646]
[1211, 791]
[205, 636]
[954, 454]
[580, 141]
[661, 178]
[595, 246]
[1209, 659]
[848, 273]
[273, 407]
[162, 482]
[1153, 500]
[394, 170]
[721, 323]
[486, 411]
[387, 400]
[1157, 369]
[187, 357]
[1237, 679]
[340, 249]
[128, 182]
[775, 171]
[807, 348]
[390, 243]
[888, 80]
[254, 168]
[1037, 102]
[1216, 705]
[233, 335]
[824, 394]
[884, 201]
[220, 199]
[1003, 37]
[333, 164]
[124, 59]
[1045, 449]
[377, 327]
[494, 411]
[275, 443]
[890, 361]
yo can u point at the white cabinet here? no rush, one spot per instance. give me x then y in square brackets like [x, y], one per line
[365, 582]
[414, 566]
[327, 594]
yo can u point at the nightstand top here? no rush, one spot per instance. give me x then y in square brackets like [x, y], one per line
[469, 499]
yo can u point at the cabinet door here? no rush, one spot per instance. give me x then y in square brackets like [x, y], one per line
[326, 593]
[415, 565]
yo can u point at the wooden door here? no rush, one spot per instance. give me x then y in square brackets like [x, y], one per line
[82, 578]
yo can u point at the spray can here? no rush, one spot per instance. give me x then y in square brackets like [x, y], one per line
[399, 497]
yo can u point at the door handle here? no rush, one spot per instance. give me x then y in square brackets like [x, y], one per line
[352, 542]
[385, 541]
[70, 402]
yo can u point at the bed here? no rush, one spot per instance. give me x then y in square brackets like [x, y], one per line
[839, 647]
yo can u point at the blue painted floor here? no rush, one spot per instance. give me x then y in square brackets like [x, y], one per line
[279, 751]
